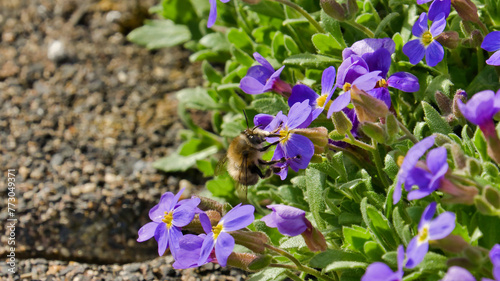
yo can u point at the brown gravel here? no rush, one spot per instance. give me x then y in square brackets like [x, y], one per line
[83, 115]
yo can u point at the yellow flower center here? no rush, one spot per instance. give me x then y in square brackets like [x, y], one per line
[216, 230]
[346, 87]
[167, 219]
[285, 135]
[423, 234]
[321, 101]
[382, 83]
[427, 38]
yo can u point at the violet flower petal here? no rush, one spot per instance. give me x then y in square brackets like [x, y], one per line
[404, 81]
[298, 145]
[414, 50]
[189, 251]
[457, 273]
[339, 103]
[251, 86]
[328, 81]
[427, 215]
[297, 116]
[183, 215]
[438, 25]
[378, 60]
[442, 226]
[381, 94]
[174, 234]
[157, 213]
[147, 231]
[289, 220]
[378, 271]
[415, 252]
[411, 159]
[238, 217]
[434, 53]
[212, 17]
[480, 109]
[223, 248]
[161, 236]
[270, 82]
[420, 26]
[301, 93]
[491, 41]
[369, 45]
[206, 248]
[260, 59]
[439, 7]
[494, 59]
[261, 120]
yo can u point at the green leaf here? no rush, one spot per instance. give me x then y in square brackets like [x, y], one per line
[487, 79]
[384, 23]
[210, 74]
[293, 195]
[315, 185]
[402, 229]
[293, 242]
[326, 44]
[206, 167]
[355, 237]
[480, 144]
[179, 163]
[332, 26]
[343, 265]
[328, 257]
[390, 167]
[339, 166]
[290, 45]
[241, 57]
[278, 47]
[216, 42]
[239, 39]
[156, 34]
[275, 274]
[268, 8]
[378, 225]
[269, 104]
[436, 123]
[373, 250]
[221, 186]
[196, 98]
[311, 60]
[433, 263]
[441, 83]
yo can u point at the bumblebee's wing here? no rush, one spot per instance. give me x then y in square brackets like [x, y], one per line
[220, 168]
[241, 187]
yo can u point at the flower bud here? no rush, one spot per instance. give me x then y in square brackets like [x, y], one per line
[451, 243]
[444, 102]
[314, 239]
[459, 95]
[260, 263]
[333, 9]
[441, 139]
[316, 158]
[210, 204]
[492, 195]
[318, 136]
[474, 255]
[242, 260]
[352, 8]
[336, 136]
[458, 193]
[466, 10]
[374, 131]
[367, 108]
[477, 38]
[253, 240]
[391, 125]
[483, 206]
[458, 156]
[341, 122]
[448, 39]
[474, 167]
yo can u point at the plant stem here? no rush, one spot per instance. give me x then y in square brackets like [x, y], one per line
[298, 265]
[304, 13]
[378, 165]
[480, 59]
[407, 132]
[361, 27]
[292, 276]
[353, 141]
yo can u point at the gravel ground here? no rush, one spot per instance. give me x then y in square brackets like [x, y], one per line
[83, 115]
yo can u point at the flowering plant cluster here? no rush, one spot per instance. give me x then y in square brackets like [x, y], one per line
[370, 162]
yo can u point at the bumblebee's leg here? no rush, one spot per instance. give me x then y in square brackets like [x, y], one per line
[254, 169]
[272, 162]
[268, 146]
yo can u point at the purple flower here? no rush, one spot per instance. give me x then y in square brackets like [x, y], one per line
[289, 220]
[301, 93]
[411, 159]
[426, 45]
[428, 229]
[491, 43]
[427, 181]
[495, 260]
[437, 7]
[353, 71]
[189, 251]
[262, 78]
[167, 219]
[379, 271]
[457, 273]
[219, 238]
[213, 12]
[480, 110]
[369, 46]
[294, 150]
